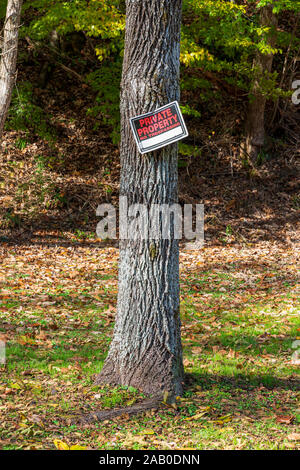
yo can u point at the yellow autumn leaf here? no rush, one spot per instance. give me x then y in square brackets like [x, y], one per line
[130, 402]
[77, 447]
[199, 415]
[23, 339]
[60, 445]
[23, 424]
[223, 419]
[147, 432]
[15, 386]
[165, 397]
[226, 429]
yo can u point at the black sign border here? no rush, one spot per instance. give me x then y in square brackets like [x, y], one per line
[167, 142]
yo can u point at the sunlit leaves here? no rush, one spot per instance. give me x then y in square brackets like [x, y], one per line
[96, 19]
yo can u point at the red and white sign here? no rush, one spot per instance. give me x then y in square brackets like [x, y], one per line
[159, 128]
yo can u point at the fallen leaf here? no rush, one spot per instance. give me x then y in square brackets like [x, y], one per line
[147, 432]
[284, 419]
[294, 436]
[60, 445]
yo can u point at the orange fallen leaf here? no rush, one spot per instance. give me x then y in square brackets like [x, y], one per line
[284, 419]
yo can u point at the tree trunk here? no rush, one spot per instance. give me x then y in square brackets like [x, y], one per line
[146, 348]
[9, 57]
[262, 65]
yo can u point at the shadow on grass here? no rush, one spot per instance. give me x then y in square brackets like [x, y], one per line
[209, 381]
[28, 239]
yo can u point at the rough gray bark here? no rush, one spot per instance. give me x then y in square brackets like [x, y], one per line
[9, 57]
[146, 348]
[262, 65]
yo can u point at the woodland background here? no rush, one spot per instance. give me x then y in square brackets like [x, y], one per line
[60, 151]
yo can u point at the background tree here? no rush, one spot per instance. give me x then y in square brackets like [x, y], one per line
[146, 347]
[9, 53]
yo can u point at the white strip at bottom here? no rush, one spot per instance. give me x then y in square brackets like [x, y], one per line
[161, 138]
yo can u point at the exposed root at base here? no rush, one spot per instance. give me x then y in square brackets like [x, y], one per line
[102, 415]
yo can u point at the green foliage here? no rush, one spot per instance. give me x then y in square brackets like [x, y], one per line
[281, 5]
[97, 19]
[190, 111]
[94, 19]
[189, 150]
[219, 37]
[106, 82]
[220, 40]
[27, 116]
[223, 37]
[2, 10]
[104, 23]
[21, 143]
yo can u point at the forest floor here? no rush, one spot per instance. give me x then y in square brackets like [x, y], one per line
[240, 318]
[239, 299]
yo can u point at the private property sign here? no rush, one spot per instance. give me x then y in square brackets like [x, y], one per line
[159, 128]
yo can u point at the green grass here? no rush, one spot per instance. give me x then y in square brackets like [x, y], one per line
[239, 320]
